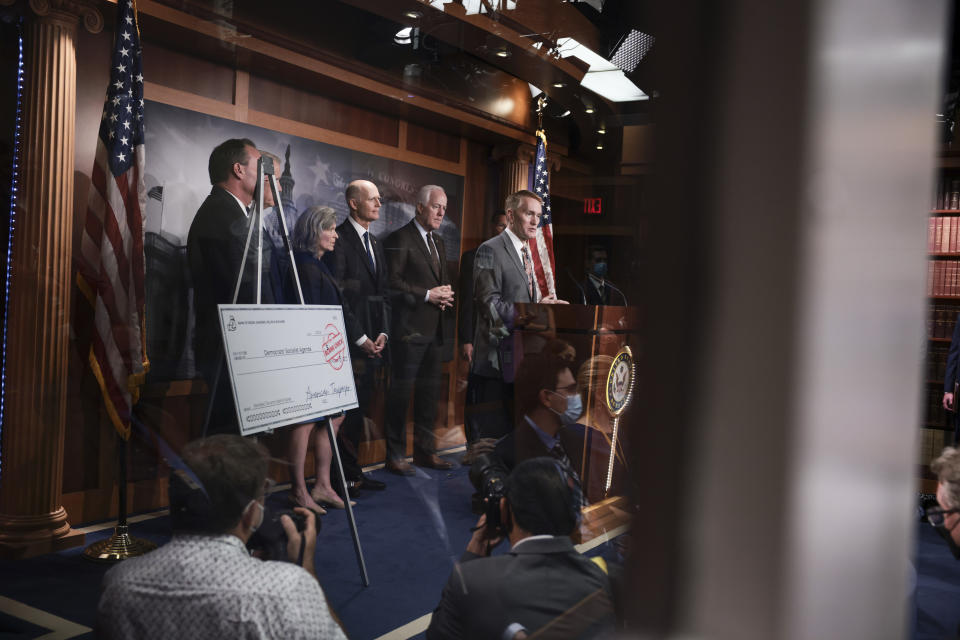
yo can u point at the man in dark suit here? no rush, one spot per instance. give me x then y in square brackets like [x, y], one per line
[549, 400]
[503, 276]
[474, 412]
[420, 285]
[360, 268]
[215, 246]
[542, 582]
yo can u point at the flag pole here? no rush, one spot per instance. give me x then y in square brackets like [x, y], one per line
[121, 545]
[119, 159]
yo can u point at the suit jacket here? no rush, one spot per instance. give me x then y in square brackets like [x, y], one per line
[953, 358]
[411, 274]
[523, 443]
[534, 585]
[593, 295]
[316, 282]
[364, 290]
[466, 318]
[500, 280]
[215, 244]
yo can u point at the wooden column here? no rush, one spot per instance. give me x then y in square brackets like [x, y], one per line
[32, 518]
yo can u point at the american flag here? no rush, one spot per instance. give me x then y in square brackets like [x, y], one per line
[111, 262]
[541, 247]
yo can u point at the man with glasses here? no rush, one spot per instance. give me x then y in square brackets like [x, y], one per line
[945, 517]
[423, 329]
[360, 268]
[204, 583]
[548, 398]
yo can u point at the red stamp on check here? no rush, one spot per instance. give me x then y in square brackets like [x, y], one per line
[333, 347]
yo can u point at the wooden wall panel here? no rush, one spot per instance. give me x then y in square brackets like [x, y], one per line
[433, 143]
[287, 102]
[187, 73]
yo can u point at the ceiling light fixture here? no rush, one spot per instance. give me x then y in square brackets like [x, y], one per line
[601, 131]
[559, 85]
[603, 77]
[588, 110]
[503, 53]
[403, 36]
[413, 15]
[599, 146]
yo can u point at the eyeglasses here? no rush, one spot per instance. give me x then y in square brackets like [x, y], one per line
[936, 516]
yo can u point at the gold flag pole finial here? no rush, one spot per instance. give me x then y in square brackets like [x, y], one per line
[541, 103]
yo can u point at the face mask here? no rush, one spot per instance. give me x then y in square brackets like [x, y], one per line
[573, 411]
[600, 269]
[260, 521]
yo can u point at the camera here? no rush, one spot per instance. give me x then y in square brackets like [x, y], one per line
[269, 542]
[489, 476]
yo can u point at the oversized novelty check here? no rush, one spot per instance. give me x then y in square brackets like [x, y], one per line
[287, 363]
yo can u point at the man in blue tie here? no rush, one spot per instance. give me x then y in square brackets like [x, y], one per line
[359, 267]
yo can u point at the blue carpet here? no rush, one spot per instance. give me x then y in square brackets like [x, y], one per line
[937, 595]
[411, 535]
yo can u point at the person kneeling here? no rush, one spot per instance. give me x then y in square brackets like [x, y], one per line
[543, 584]
[204, 583]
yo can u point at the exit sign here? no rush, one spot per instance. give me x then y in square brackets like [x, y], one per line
[592, 206]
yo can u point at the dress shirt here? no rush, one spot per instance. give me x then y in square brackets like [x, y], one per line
[426, 243]
[360, 231]
[199, 586]
[548, 440]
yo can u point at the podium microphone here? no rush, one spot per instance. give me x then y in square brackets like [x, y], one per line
[612, 286]
[583, 295]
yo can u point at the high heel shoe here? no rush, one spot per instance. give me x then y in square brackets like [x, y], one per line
[318, 510]
[332, 500]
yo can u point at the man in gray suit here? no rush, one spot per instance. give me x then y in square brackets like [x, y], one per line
[543, 581]
[503, 275]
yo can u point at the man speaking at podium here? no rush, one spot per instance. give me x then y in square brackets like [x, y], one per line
[503, 275]
[215, 245]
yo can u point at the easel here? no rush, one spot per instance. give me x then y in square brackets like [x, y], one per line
[265, 168]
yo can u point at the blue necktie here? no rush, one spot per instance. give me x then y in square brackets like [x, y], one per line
[366, 243]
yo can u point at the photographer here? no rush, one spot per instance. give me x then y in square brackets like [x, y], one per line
[204, 583]
[543, 583]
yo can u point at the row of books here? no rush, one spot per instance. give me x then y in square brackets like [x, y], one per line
[937, 416]
[937, 361]
[943, 235]
[947, 194]
[943, 278]
[932, 442]
[941, 321]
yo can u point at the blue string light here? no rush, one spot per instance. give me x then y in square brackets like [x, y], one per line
[13, 212]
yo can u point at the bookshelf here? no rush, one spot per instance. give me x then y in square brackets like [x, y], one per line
[943, 296]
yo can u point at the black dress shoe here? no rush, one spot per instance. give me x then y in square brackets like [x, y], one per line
[352, 489]
[366, 482]
[432, 461]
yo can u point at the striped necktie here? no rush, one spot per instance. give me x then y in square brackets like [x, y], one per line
[528, 267]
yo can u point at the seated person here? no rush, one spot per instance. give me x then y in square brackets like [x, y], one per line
[203, 583]
[543, 583]
[594, 433]
[546, 394]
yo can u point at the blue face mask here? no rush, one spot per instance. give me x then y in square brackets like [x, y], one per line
[600, 269]
[573, 410]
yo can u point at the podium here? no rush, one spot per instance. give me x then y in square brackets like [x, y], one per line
[591, 336]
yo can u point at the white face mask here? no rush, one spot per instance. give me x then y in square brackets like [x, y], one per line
[260, 521]
[573, 410]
